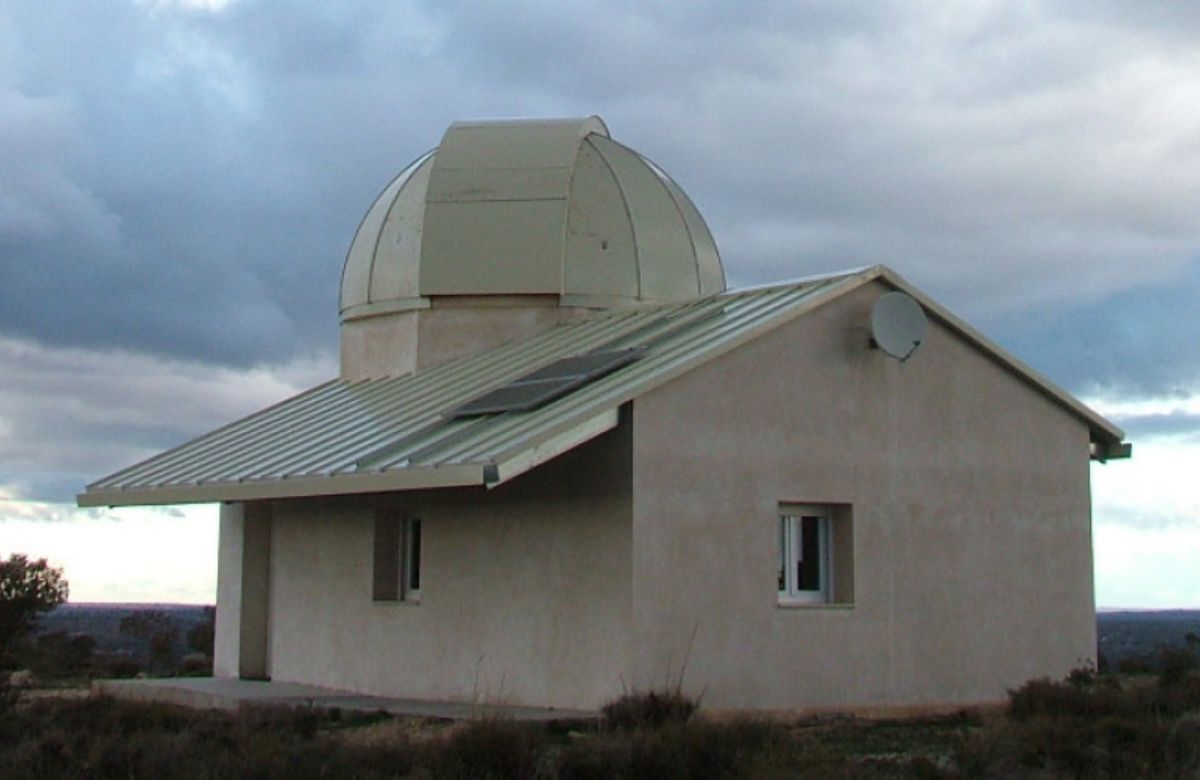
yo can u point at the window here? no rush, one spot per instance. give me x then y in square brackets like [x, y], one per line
[397, 571]
[816, 554]
[805, 574]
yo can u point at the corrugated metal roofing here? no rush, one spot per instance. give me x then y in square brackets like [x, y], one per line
[396, 433]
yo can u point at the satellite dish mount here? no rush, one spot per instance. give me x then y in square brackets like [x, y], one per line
[897, 325]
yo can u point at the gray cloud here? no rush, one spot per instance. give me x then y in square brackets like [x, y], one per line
[69, 416]
[1171, 424]
[182, 185]
[204, 171]
[1145, 341]
[1149, 519]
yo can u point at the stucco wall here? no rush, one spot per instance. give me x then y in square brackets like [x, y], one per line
[241, 641]
[971, 512]
[524, 589]
[455, 326]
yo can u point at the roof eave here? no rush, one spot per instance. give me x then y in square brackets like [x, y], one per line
[413, 478]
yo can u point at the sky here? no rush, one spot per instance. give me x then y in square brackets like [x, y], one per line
[180, 180]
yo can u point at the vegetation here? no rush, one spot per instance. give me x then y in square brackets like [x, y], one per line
[27, 589]
[156, 629]
[1088, 725]
[1129, 641]
[77, 643]
[650, 710]
[1091, 724]
[1104, 726]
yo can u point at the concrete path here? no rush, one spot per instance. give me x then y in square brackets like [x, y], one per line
[226, 694]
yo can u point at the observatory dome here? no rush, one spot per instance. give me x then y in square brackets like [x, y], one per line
[519, 208]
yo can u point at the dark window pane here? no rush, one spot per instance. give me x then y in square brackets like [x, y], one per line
[808, 569]
[414, 555]
[783, 553]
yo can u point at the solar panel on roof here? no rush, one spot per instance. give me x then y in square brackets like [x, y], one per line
[549, 382]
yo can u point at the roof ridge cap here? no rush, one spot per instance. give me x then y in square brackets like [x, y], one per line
[796, 281]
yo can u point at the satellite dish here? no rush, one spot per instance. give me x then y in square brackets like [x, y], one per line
[897, 325]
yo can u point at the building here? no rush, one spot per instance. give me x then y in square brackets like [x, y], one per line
[562, 461]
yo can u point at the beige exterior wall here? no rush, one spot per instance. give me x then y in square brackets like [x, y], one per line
[375, 347]
[524, 589]
[401, 342]
[241, 642]
[972, 559]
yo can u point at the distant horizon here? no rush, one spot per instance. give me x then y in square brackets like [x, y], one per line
[117, 604]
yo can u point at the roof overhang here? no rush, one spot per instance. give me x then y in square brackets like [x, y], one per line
[305, 487]
[505, 467]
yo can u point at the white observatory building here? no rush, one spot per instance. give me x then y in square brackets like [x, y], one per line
[562, 460]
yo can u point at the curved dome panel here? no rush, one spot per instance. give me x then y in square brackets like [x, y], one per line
[382, 262]
[529, 208]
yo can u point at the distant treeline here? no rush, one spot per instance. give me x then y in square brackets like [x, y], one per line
[1126, 638]
[119, 640]
[1133, 637]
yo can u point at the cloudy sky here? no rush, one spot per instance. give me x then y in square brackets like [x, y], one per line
[179, 182]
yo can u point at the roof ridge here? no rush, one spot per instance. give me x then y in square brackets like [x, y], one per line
[798, 281]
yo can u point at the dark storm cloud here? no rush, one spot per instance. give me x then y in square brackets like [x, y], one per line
[187, 233]
[185, 183]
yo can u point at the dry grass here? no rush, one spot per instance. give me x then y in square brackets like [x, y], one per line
[1087, 726]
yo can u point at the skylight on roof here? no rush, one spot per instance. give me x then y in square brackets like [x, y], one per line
[549, 383]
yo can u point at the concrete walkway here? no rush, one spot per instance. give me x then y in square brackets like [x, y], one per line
[227, 694]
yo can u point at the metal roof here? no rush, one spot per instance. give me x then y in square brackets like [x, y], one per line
[541, 207]
[397, 433]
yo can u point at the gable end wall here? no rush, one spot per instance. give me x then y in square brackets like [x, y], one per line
[971, 522]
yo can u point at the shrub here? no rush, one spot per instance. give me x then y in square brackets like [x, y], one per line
[651, 709]
[697, 749]
[114, 666]
[1096, 729]
[58, 655]
[8, 695]
[200, 636]
[1043, 697]
[1081, 676]
[103, 738]
[195, 665]
[1183, 747]
[1133, 665]
[491, 747]
[1174, 664]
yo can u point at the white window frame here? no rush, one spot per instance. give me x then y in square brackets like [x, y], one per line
[792, 519]
[397, 558]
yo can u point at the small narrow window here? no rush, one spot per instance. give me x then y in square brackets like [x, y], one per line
[412, 558]
[805, 557]
[397, 564]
